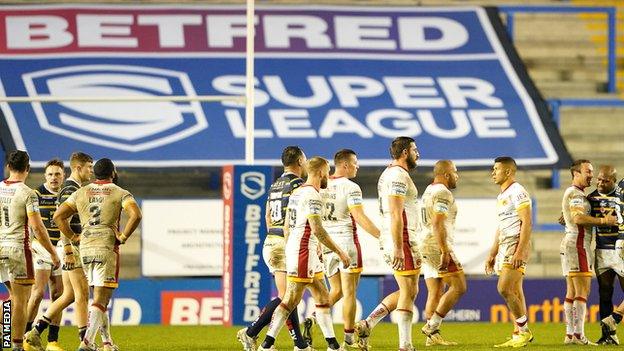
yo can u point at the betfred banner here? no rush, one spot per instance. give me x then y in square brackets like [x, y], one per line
[326, 78]
[246, 278]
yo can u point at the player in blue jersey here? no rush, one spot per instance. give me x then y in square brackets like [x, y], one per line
[293, 160]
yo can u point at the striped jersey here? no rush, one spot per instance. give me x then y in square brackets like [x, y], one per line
[68, 188]
[437, 199]
[601, 205]
[277, 201]
[508, 203]
[339, 198]
[396, 181]
[47, 206]
[574, 201]
[17, 202]
[305, 202]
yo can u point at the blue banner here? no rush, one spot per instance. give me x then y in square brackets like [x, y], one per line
[326, 78]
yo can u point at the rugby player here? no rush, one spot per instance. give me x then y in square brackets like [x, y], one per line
[440, 265]
[510, 250]
[293, 160]
[99, 205]
[19, 211]
[576, 261]
[400, 212]
[303, 233]
[47, 193]
[343, 209]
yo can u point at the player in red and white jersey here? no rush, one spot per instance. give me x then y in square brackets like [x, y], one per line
[576, 260]
[19, 210]
[343, 208]
[510, 250]
[303, 233]
[440, 265]
[400, 212]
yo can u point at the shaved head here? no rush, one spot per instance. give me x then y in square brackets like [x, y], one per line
[442, 167]
[608, 171]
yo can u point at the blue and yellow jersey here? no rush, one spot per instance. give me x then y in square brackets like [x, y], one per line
[601, 205]
[47, 207]
[69, 187]
[277, 202]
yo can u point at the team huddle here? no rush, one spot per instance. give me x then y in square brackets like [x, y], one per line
[68, 221]
[312, 234]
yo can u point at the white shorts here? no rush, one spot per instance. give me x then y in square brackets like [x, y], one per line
[413, 259]
[273, 253]
[607, 259]
[76, 254]
[332, 263]
[101, 267]
[16, 265]
[504, 257]
[576, 260]
[303, 267]
[431, 261]
[42, 259]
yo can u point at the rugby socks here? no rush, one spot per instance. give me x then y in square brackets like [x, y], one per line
[324, 321]
[617, 317]
[28, 326]
[580, 306]
[105, 330]
[42, 324]
[53, 333]
[81, 332]
[277, 322]
[435, 320]
[17, 344]
[292, 323]
[348, 336]
[379, 313]
[264, 319]
[568, 309]
[96, 318]
[405, 327]
[523, 324]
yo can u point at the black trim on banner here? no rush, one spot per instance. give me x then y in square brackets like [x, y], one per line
[565, 160]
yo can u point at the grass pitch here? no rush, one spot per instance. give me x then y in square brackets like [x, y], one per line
[470, 336]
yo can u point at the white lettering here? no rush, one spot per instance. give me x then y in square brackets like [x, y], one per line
[349, 88]
[491, 124]
[37, 32]
[235, 120]
[222, 29]
[412, 33]
[119, 308]
[321, 92]
[460, 120]
[170, 27]
[279, 30]
[340, 121]
[364, 32]
[211, 311]
[105, 31]
[403, 123]
[413, 92]
[292, 124]
[459, 90]
[184, 311]
[235, 85]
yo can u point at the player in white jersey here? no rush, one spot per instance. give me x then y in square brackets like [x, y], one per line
[510, 250]
[303, 233]
[19, 210]
[576, 261]
[343, 209]
[99, 206]
[440, 265]
[400, 212]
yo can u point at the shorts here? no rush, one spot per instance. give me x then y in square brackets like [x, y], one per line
[101, 267]
[413, 260]
[332, 263]
[273, 253]
[431, 262]
[78, 261]
[42, 259]
[304, 266]
[609, 259]
[504, 257]
[576, 259]
[16, 265]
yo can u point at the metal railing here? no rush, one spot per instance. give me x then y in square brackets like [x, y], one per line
[611, 13]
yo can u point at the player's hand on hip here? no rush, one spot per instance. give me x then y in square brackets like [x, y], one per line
[398, 260]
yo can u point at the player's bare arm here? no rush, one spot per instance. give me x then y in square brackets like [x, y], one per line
[489, 263]
[286, 229]
[267, 216]
[521, 255]
[61, 218]
[439, 230]
[36, 223]
[134, 218]
[321, 234]
[580, 218]
[362, 219]
[395, 205]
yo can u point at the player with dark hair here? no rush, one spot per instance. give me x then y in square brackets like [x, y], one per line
[99, 205]
[19, 211]
[293, 160]
[44, 274]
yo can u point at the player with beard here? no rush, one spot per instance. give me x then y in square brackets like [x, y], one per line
[440, 265]
[576, 261]
[303, 232]
[293, 160]
[510, 250]
[400, 212]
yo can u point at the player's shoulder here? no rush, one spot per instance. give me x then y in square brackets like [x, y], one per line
[517, 188]
[439, 190]
[573, 191]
